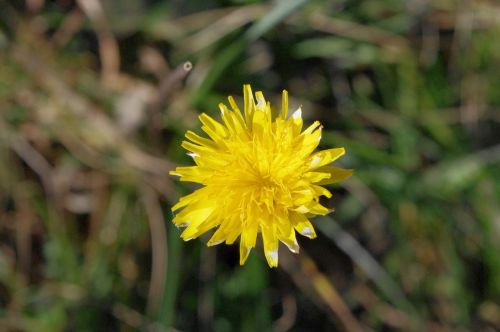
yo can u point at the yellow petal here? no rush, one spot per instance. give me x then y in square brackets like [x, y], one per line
[249, 235]
[261, 101]
[337, 174]
[316, 176]
[320, 191]
[270, 239]
[286, 234]
[218, 237]
[195, 229]
[284, 105]
[195, 138]
[311, 128]
[228, 231]
[194, 218]
[310, 141]
[302, 225]
[244, 252]
[197, 150]
[249, 102]
[214, 129]
[188, 199]
[297, 121]
[233, 235]
[234, 106]
[316, 208]
[302, 196]
[260, 123]
[231, 120]
[190, 174]
[325, 157]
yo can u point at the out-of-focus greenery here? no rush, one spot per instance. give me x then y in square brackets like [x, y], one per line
[96, 95]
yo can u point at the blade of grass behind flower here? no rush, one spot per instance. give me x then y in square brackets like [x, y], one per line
[228, 56]
[166, 311]
[366, 262]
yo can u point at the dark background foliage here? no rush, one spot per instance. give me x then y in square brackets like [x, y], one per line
[95, 97]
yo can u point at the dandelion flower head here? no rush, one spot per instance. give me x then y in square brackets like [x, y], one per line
[259, 174]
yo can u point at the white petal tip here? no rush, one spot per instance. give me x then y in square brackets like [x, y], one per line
[294, 249]
[184, 224]
[302, 209]
[211, 244]
[307, 232]
[273, 254]
[315, 161]
[272, 258]
[297, 114]
[243, 259]
[261, 102]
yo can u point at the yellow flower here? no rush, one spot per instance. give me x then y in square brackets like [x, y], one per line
[259, 174]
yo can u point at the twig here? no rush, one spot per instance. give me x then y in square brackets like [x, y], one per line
[489, 155]
[365, 261]
[164, 90]
[393, 43]
[287, 319]
[108, 46]
[70, 25]
[31, 157]
[219, 28]
[387, 314]
[34, 5]
[206, 294]
[306, 275]
[159, 249]
[169, 82]
[85, 111]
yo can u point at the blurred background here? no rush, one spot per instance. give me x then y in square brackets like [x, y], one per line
[95, 96]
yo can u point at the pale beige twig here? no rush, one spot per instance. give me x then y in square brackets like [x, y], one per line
[158, 247]
[108, 46]
[287, 319]
[70, 25]
[306, 275]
